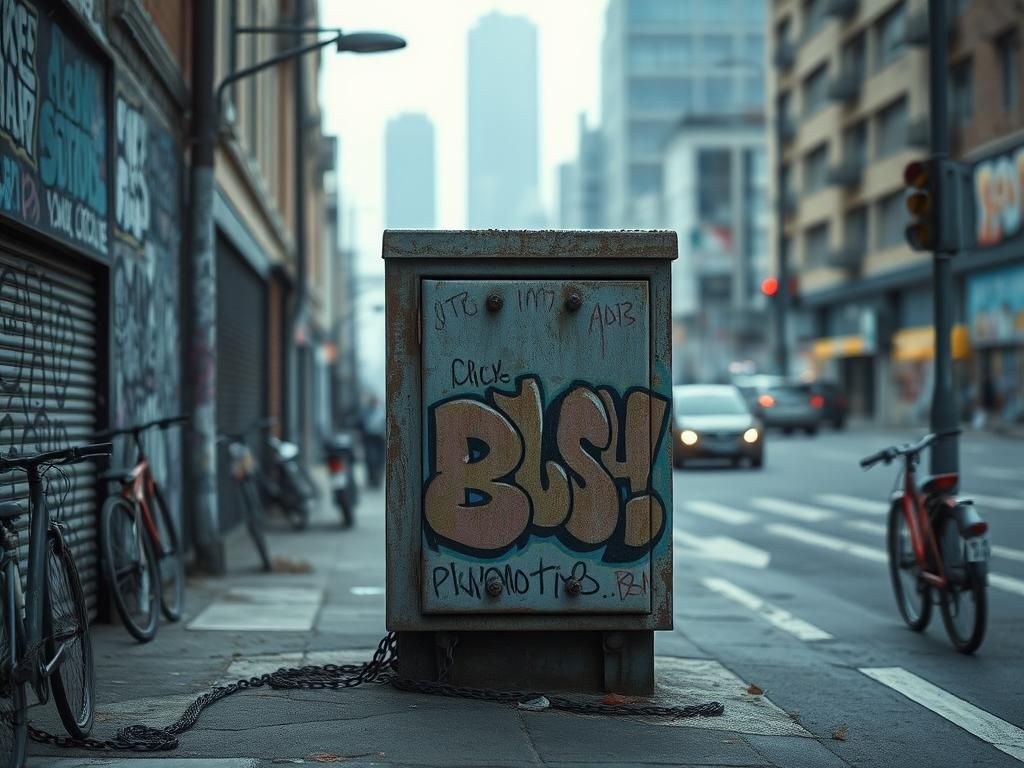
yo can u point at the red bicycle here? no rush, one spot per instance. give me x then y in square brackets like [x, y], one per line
[142, 556]
[936, 545]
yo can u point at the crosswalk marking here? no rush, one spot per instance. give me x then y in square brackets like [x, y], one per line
[802, 512]
[779, 617]
[853, 503]
[1008, 553]
[996, 502]
[826, 542]
[1002, 735]
[722, 548]
[875, 529]
[719, 512]
[1006, 583]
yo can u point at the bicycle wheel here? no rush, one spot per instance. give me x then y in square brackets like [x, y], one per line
[131, 569]
[172, 564]
[13, 707]
[253, 511]
[913, 596]
[964, 603]
[73, 681]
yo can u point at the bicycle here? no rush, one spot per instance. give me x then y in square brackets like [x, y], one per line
[138, 542]
[244, 469]
[44, 631]
[936, 543]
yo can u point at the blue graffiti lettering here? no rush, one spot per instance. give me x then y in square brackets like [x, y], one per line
[10, 186]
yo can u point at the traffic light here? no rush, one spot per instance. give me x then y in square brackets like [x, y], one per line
[920, 200]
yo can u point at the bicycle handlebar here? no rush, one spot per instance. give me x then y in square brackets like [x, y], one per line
[907, 449]
[66, 456]
[140, 428]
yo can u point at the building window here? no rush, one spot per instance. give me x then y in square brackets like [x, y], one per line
[853, 58]
[816, 90]
[891, 131]
[660, 54]
[664, 95]
[816, 245]
[855, 224]
[648, 138]
[816, 169]
[718, 51]
[1009, 69]
[782, 33]
[961, 93]
[753, 93]
[892, 221]
[753, 50]
[855, 144]
[714, 192]
[814, 17]
[890, 33]
[719, 95]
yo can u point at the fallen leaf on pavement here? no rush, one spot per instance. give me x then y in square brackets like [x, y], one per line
[613, 699]
[841, 733]
[326, 757]
[291, 565]
[754, 690]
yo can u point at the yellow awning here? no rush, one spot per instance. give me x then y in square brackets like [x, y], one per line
[840, 346]
[918, 343]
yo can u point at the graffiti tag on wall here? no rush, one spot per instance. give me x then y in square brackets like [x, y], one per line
[997, 187]
[53, 156]
[506, 467]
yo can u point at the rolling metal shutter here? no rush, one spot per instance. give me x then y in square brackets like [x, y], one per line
[49, 390]
[241, 363]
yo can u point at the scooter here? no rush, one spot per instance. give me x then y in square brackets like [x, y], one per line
[340, 452]
[289, 485]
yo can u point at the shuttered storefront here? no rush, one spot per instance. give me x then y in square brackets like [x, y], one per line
[241, 361]
[49, 388]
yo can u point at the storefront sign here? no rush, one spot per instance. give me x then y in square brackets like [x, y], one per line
[995, 305]
[997, 190]
[53, 133]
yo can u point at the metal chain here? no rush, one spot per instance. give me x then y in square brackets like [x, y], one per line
[379, 670]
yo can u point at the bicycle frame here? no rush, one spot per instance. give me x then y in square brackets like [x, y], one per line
[922, 534]
[138, 492]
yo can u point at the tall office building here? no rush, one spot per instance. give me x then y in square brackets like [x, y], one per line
[663, 60]
[409, 172]
[502, 183]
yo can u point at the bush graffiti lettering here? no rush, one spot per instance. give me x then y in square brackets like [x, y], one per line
[503, 467]
[19, 84]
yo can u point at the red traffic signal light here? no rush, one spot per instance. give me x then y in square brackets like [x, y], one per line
[920, 233]
[916, 174]
[770, 286]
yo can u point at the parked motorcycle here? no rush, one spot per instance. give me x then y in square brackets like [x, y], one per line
[288, 485]
[340, 452]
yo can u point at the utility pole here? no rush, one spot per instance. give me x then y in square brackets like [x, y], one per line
[200, 363]
[944, 419]
[781, 297]
[299, 406]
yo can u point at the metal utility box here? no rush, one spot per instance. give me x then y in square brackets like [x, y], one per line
[529, 484]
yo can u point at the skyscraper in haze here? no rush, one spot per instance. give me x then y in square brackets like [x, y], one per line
[501, 108]
[409, 172]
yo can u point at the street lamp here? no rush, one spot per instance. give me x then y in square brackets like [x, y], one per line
[370, 42]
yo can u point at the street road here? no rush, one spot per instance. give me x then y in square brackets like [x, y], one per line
[781, 575]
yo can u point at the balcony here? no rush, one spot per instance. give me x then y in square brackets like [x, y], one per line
[786, 128]
[916, 31]
[845, 87]
[848, 257]
[918, 132]
[789, 203]
[846, 174]
[785, 55]
[841, 9]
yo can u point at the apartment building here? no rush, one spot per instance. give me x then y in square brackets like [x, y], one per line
[849, 95]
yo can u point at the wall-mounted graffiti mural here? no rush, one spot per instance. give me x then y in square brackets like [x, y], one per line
[145, 348]
[53, 157]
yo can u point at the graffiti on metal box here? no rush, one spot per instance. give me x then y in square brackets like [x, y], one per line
[505, 467]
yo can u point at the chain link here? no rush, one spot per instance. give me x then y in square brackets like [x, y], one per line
[381, 669]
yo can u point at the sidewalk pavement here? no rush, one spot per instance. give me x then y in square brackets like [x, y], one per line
[248, 623]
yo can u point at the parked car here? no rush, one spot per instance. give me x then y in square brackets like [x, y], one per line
[714, 421]
[753, 386]
[791, 406]
[831, 399]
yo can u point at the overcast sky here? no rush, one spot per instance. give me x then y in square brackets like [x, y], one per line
[360, 93]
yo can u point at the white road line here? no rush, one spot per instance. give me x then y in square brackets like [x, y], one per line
[781, 618]
[1002, 735]
[996, 502]
[999, 473]
[826, 542]
[875, 529]
[719, 512]
[1006, 583]
[853, 503]
[722, 548]
[1008, 553]
[802, 512]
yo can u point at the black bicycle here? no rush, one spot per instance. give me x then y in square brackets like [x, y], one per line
[245, 469]
[44, 639]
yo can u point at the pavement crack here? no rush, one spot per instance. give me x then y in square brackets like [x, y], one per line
[535, 757]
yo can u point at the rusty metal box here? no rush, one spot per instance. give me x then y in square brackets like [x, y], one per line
[529, 456]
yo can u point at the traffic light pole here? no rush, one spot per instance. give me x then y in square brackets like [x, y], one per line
[944, 418]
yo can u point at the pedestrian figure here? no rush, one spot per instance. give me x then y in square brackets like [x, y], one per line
[988, 402]
[372, 425]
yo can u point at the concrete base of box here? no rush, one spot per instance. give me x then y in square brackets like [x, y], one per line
[581, 662]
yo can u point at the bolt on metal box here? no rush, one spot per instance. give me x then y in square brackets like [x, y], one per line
[529, 483]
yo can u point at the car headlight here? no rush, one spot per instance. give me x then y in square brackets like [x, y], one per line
[751, 435]
[688, 436]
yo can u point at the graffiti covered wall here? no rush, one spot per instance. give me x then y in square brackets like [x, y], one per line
[145, 251]
[53, 157]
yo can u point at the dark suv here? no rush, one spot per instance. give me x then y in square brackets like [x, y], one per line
[827, 396]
